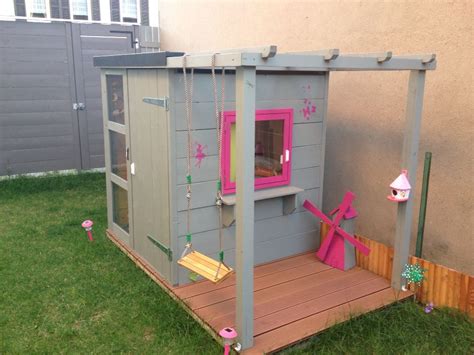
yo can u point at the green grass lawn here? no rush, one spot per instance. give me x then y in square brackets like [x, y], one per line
[60, 293]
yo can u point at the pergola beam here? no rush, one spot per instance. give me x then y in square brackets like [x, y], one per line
[324, 61]
[342, 62]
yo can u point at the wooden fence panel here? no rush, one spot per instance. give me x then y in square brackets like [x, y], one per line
[443, 286]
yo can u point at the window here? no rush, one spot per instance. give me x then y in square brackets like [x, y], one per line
[118, 154]
[273, 132]
[120, 207]
[115, 98]
[60, 9]
[129, 10]
[37, 8]
[80, 9]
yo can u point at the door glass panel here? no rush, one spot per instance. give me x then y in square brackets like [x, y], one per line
[118, 158]
[115, 99]
[120, 206]
[268, 149]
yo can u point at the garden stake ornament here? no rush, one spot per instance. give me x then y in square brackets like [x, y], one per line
[413, 274]
[429, 308]
[228, 335]
[87, 225]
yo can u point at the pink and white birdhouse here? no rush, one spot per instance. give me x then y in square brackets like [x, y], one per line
[400, 188]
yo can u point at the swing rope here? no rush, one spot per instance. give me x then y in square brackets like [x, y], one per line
[188, 97]
[219, 124]
[191, 259]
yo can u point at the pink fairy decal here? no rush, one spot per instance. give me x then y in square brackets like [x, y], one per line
[308, 107]
[200, 155]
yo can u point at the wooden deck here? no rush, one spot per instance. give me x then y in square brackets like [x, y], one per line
[294, 298]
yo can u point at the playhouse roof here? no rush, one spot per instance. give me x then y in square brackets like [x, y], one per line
[401, 182]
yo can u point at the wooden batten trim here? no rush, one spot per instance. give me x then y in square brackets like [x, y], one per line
[445, 287]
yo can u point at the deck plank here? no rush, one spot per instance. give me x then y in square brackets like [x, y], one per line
[198, 288]
[219, 295]
[287, 309]
[280, 318]
[285, 296]
[304, 328]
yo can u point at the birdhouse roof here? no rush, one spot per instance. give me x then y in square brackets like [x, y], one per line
[401, 182]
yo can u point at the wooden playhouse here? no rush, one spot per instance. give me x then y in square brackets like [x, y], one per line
[209, 158]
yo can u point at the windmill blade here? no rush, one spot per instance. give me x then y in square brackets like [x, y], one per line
[344, 206]
[323, 249]
[315, 211]
[358, 244]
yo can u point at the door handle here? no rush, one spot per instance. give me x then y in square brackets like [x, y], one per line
[78, 106]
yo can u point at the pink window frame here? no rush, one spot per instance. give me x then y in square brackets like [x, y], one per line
[284, 114]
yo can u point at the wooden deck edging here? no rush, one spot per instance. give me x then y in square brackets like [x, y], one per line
[443, 286]
[142, 264]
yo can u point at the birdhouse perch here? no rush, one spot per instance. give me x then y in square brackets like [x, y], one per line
[400, 188]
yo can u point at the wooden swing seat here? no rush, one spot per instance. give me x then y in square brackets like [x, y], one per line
[205, 266]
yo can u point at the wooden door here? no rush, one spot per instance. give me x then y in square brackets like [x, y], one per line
[87, 41]
[117, 143]
[150, 168]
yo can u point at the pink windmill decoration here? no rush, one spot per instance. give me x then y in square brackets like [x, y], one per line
[336, 248]
[400, 188]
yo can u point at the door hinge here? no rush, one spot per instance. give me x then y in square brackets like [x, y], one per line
[158, 101]
[162, 247]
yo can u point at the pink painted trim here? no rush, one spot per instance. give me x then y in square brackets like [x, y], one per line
[285, 114]
[391, 198]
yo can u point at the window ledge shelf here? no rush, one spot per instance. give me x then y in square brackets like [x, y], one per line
[288, 193]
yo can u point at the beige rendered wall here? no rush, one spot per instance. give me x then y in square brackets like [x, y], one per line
[366, 109]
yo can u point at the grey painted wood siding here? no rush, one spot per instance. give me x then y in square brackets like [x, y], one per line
[44, 69]
[276, 235]
[38, 129]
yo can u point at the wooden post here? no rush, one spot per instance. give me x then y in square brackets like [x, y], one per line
[409, 161]
[245, 170]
